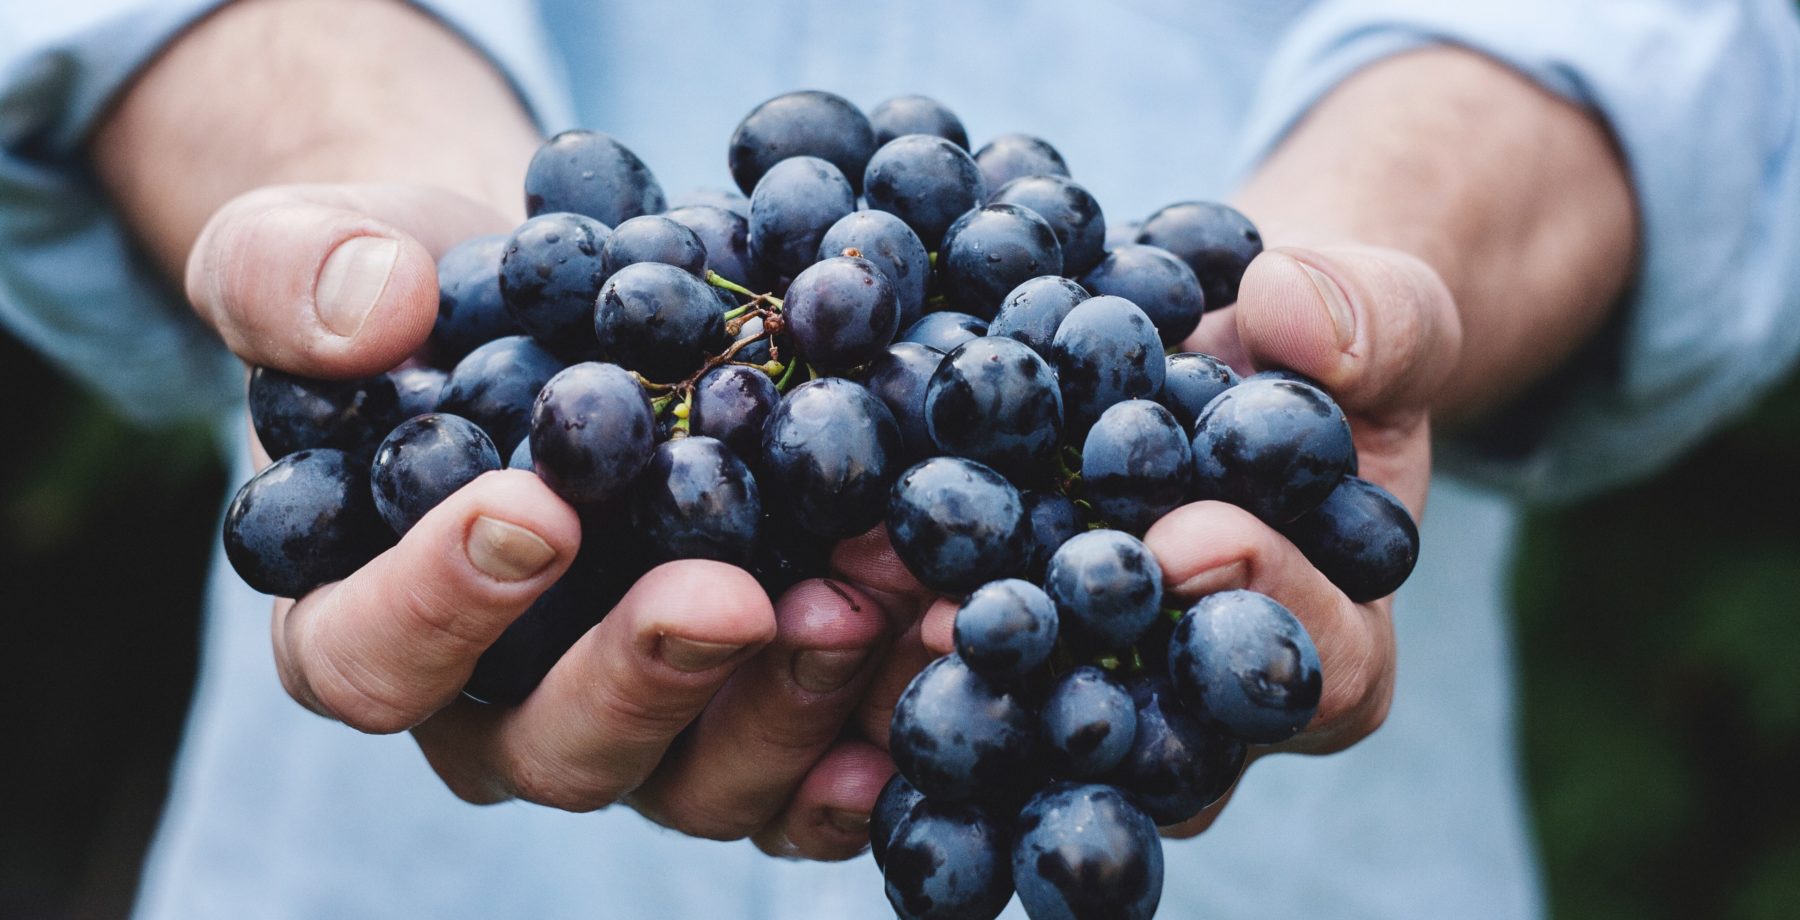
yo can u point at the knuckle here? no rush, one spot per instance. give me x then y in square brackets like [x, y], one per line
[560, 787]
[355, 695]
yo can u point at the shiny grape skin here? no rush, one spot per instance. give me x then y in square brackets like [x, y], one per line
[725, 235]
[944, 330]
[807, 123]
[926, 181]
[304, 520]
[422, 461]
[592, 431]
[993, 400]
[1177, 765]
[1361, 537]
[1105, 351]
[549, 276]
[989, 251]
[495, 385]
[1136, 465]
[1069, 209]
[1086, 722]
[1275, 448]
[417, 390]
[830, 453]
[1243, 662]
[1051, 518]
[841, 313]
[697, 500]
[786, 554]
[658, 320]
[1032, 311]
[653, 238]
[1085, 852]
[948, 862]
[1214, 240]
[892, 806]
[1012, 156]
[957, 524]
[1006, 629]
[959, 737]
[903, 115]
[898, 378]
[1107, 588]
[587, 172]
[731, 403]
[1159, 283]
[290, 413]
[516, 663]
[895, 249]
[470, 308]
[793, 205]
[722, 198]
[1192, 381]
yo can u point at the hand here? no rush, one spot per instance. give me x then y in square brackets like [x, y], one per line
[695, 700]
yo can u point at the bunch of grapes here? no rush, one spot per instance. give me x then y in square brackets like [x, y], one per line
[888, 330]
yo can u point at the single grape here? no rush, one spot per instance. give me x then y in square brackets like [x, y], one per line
[1006, 629]
[898, 378]
[725, 235]
[1214, 240]
[470, 308]
[521, 457]
[991, 250]
[903, 115]
[1124, 234]
[1136, 465]
[1159, 283]
[653, 238]
[1192, 381]
[948, 862]
[1361, 537]
[841, 312]
[830, 453]
[304, 520]
[1107, 588]
[893, 247]
[417, 390]
[926, 181]
[1243, 662]
[759, 350]
[549, 276]
[1069, 209]
[723, 198]
[697, 500]
[516, 663]
[793, 205]
[1012, 156]
[731, 403]
[1106, 351]
[957, 524]
[892, 807]
[423, 461]
[291, 413]
[1032, 311]
[1087, 723]
[592, 431]
[1275, 448]
[809, 123]
[960, 737]
[945, 330]
[1050, 520]
[658, 320]
[587, 172]
[787, 554]
[1084, 852]
[495, 385]
[1177, 765]
[993, 400]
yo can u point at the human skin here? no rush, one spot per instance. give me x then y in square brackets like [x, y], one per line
[1450, 233]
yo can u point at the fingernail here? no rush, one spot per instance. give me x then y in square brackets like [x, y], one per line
[822, 671]
[1221, 578]
[693, 656]
[352, 280]
[507, 552]
[1343, 321]
[849, 822]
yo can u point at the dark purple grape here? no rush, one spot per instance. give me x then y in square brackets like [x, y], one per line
[787, 554]
[423, 461]
[549, 277]
[723, 198]
[1050, 519]
[1361, 537]
[1084, 852]
[495, 385]
[653, 238]
[1125, 234]
[1136, 465]
[305, 520]
[697, 500]
[989, 251]
[291, 413]
[587, 172]
[758, 351]
[1032, 311]
[725, 235]
[592, 431]
[960, 737]
[470, 308]
[1191, 382]
[1275, 448]
[945, 330]
[1241, 661]
[893, 247]
[1107, 588]
[658, 320]
[892, 807]
[830, 453]
[957, 524]
[898, 378]
[1214, 240]
[1159, 283]
[516, 663]
[903, 115]
[993, 400]
[948, 862]
[1106, 351]
[521, 457]
[809, 123]
[1177, 765]
[841, 312]
[926, 181]
[417, 390]
[793, 205]
[1006, 629]
[1087, 723]
[1070, 211]
[731, 403]
[1012, 156]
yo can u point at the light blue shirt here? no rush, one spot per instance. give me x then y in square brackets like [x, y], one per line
[276, 813]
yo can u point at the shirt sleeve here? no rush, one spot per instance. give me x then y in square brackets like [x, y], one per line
[72, 283]
[1703, 98]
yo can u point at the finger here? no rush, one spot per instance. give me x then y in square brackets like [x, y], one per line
[907, 656]
[937, 629]
[1211, 546]
[328, 280]
[738, 765]
[1217, 336]
[869, 562]
[394, 642]
[606, 713]
[828, 817]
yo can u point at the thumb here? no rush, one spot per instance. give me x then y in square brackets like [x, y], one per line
[328, 281]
